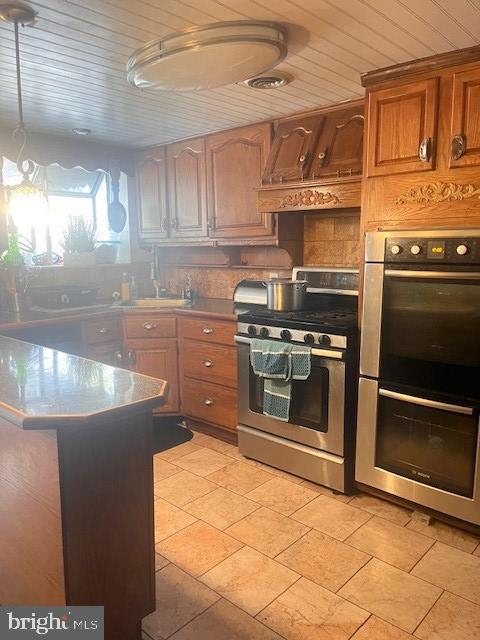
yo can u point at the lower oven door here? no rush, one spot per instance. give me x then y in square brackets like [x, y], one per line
[317, 409]
[413, 446]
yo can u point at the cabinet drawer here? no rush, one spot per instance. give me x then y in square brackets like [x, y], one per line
[210, 402]
[106, 330]
[210, 362]
[150, 326]
[208, 330]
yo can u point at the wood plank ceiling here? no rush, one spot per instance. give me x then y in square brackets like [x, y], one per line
[74, 60]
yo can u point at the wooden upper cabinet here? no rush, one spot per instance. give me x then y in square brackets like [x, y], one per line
[150, 170]
[293, 148]
[340, 145]
[187, 198]
[465, 122]
[402, 125]
[235, 163]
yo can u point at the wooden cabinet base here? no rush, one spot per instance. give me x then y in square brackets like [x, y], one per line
[211, 430]
[76, 519]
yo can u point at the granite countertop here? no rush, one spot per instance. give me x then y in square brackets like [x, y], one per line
[45, 389]
[213, 307]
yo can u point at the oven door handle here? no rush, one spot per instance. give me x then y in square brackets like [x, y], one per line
[324, 353]
[445, 275]
[424, 402]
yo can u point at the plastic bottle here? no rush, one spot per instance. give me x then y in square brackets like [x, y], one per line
[125, 287]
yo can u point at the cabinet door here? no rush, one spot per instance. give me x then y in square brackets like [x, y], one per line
[159, 361]
[235, 163]
[292, 150]
[465, 127]
[107, 354]
[402, 124]
[187, 189]
[152, 193]
[340, 146]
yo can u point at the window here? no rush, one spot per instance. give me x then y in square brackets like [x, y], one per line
[70, 192]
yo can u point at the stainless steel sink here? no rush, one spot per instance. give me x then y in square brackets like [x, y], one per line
[155, 303]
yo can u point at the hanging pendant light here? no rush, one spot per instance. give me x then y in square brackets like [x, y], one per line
[26, 196]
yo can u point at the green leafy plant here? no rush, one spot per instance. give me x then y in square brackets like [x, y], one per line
[79, 236]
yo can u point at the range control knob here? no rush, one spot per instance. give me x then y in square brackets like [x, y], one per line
[462, 249]
[325, 340]
[264, 332]
[415, 249]
[309, 338]
[285, 334]
[396, 249]
[252, 330]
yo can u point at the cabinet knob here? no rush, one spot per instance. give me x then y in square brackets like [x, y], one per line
[103, 330]
[149, 326]
[424, 150]
[303, 158]
[321, 157]
[207, 330]
[458, 146]
[118, 355]
[174, 224]
[209, 402]
[131, 356]
[208, 363]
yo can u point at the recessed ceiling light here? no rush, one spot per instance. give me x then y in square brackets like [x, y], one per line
[208, 56]
[82, 131]
[268, 81]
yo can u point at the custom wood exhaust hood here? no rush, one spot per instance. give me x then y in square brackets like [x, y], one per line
[315, 161]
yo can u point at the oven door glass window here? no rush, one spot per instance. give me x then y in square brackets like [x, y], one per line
[309, 400]
[427, 330]
[431, 446]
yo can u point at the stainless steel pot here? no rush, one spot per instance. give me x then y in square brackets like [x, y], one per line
[286, 295]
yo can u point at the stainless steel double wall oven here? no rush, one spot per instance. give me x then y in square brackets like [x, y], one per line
[419, 391]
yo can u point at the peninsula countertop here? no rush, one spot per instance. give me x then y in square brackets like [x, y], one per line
[41, 388]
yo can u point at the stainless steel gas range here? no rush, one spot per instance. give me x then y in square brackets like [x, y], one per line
[317, 442]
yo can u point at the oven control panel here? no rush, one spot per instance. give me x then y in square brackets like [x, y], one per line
[446, 250]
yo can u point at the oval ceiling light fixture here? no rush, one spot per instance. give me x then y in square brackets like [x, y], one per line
[268, 81]
[82, 131]
[208, 56]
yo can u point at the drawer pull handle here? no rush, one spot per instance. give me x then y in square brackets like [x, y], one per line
[458, 146]
[103, 330]
[209, 402]
[208, 363]
[424, 150]
[149, 326]
[207, 330]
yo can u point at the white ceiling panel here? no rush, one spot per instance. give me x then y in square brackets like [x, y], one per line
[74, 58]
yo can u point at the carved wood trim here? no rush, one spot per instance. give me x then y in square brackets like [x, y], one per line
[307, 198]
[435, 192]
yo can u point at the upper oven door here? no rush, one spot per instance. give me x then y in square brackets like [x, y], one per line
[425, 328]
[317, 404]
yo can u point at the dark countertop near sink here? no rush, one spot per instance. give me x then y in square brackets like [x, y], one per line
[45, 389]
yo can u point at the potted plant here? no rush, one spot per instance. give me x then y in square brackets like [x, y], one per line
[78, 242]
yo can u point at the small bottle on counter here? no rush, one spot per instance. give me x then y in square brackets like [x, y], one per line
[125, 287]
[133, 289]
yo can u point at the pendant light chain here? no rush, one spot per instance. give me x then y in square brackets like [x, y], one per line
[21, 123]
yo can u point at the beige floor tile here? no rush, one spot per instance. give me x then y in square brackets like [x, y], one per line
[225, 621]
[447, 534]
[221, 508]
[179, 451]
[233, 452]
[451, 569]
[240, 477]
[325, 491]
[391, 594]
[182, 487]
[198, 548]
[203, 461]
[249, 579]
[452, 618]
[477, 551]
[169, 519]
[163, 469]
[215, 444]
[387, 510]
[160, 562]
[309, 612]
[179, 599]
[324, 560]
[376, 629]
[267, 531]
[390, 543]
[332, 517]
[282, 496]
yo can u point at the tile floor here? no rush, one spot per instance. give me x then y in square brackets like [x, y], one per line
[247, 552]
